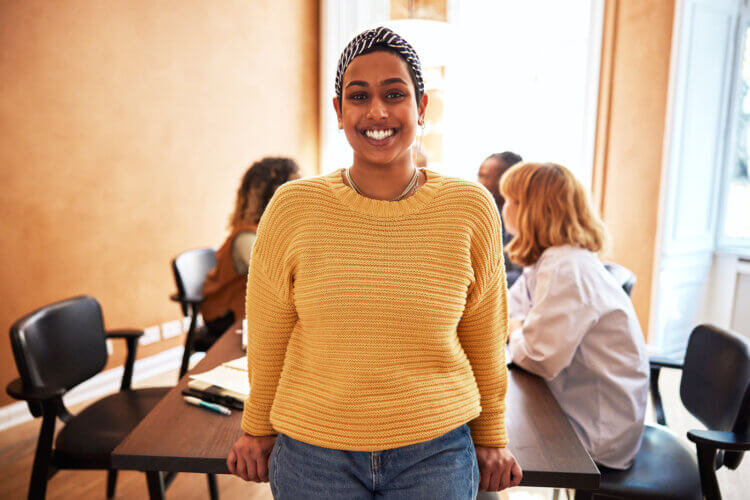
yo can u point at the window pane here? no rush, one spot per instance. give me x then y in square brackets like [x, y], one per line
[520, 81]
[737, 222]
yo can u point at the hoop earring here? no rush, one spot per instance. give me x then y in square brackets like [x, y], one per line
[420, 136]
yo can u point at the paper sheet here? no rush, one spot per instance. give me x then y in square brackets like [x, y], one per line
[237, 364]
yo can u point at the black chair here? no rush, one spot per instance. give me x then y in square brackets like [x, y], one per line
[715, 388]
[56, 348]
[190, 269]
[623, 275]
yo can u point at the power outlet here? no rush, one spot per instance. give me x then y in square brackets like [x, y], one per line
[171, 329]
[110, 348]
[150, 335]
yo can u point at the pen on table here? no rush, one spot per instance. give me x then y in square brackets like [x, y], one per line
[209, 406]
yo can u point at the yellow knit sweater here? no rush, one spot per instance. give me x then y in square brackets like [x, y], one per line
[377, 324]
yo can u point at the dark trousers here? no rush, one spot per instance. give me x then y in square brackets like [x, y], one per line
[216, 327]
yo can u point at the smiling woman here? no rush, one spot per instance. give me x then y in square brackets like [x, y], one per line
[376, 308]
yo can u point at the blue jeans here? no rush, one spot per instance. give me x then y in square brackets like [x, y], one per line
[444, 467]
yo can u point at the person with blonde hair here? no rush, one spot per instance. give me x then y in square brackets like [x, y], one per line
[571, 322]
[224, 289]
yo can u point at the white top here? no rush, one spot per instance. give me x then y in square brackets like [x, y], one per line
[242, 246]
[580, 333]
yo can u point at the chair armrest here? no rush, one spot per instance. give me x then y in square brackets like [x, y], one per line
[664, 362]
[720, 439]
[131, 336]
[656, 363]
[186, 299]
[16, 390]
[124, 333]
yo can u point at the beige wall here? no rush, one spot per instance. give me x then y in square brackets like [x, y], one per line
[630, 132]
[124, 129]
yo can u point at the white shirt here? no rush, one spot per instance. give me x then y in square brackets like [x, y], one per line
[242, 247]
[580, 333]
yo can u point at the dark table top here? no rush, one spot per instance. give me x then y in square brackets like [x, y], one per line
[179, 437]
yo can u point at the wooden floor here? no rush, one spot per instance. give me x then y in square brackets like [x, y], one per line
[17, 447]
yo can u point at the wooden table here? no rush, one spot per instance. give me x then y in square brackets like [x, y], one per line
[182, 438]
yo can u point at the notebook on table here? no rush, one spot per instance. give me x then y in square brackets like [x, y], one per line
[225, 384]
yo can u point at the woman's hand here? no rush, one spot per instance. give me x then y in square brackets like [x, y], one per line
[249, 456]
[514, 324]
[498, 469]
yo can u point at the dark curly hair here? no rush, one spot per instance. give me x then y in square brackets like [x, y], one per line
[257, 187]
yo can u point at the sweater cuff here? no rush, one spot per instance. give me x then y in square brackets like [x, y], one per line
[255, 424]
[488, 429]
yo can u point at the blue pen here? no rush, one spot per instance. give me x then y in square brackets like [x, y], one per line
[209, 406]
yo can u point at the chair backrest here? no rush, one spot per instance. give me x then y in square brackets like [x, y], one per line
[60, 345]
[715, 384]
[190, 269]
[624, 276]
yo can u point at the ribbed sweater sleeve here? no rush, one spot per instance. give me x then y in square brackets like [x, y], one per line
[483, 327]
[271, 316]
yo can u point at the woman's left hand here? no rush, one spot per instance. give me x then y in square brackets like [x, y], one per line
[514, 324]
[498, 469]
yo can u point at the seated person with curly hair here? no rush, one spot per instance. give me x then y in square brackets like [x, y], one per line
[224, 288]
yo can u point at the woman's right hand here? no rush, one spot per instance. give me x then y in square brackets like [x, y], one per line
[498, 468]
[249, 457]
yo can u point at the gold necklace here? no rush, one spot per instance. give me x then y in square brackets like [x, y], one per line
[409, 187]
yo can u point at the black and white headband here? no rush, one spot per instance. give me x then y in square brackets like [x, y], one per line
[381, 36]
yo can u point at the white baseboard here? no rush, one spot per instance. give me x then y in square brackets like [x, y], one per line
[14, 414]
[107, 382]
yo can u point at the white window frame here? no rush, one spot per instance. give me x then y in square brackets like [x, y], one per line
[724, 243]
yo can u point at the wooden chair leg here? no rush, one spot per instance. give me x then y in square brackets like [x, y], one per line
[213, 489]
[111, 483]
[41, 470]
[155, 482]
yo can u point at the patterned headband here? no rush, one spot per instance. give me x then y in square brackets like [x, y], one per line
[381, 36]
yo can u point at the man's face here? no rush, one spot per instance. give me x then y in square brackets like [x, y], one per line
[489, 176]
